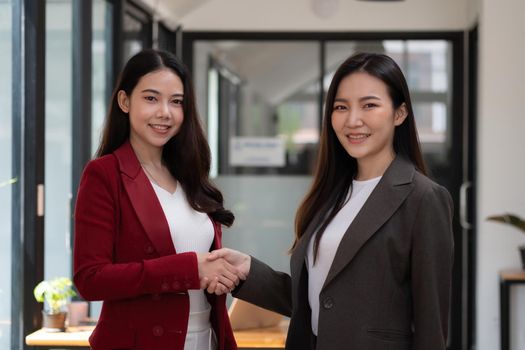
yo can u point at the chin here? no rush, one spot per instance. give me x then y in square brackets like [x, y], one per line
[159, 143]
[352, 153]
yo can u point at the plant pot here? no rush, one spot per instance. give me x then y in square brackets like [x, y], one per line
[522, 254]
[54, 322]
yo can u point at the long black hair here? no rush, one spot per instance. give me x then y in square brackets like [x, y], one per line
[187, 154]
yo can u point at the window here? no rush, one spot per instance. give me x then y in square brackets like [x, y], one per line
[6, 171]
[58, 139]
[102, 69]
[136, 28]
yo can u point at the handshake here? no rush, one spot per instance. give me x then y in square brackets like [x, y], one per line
[221, 270]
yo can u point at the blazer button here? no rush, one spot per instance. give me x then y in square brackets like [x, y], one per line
[149, 249]
[165, 286]
[158, 331]
[328, 303]
[155, 297]
[187, 284]
[176, 285]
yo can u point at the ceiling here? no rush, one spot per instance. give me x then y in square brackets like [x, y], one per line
[171, 12]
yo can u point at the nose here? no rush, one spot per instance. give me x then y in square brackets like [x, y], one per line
[163, 110]
[353, 118]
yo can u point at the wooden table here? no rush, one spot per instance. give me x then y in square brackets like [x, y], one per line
[507, 279]
[77, 338]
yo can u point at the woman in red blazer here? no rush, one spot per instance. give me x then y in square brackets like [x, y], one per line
[147, 215]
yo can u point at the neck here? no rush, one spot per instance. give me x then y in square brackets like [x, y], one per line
[371, 168]
[147, 155]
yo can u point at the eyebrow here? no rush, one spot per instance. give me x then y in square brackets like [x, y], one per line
[361, 99]
[153, 91]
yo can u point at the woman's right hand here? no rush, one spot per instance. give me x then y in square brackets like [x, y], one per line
[223, 273]
[239, 260]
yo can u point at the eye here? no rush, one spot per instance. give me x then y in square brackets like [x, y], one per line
[369, 105]
[177, 101]
[150, 98]
[339, 108]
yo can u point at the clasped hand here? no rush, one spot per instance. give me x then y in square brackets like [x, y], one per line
[221, 270]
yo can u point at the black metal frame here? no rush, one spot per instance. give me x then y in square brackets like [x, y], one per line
[116, 39]
[504, 298]
[458, 327]
[28, 165]
[120, 8]
[471, 129]
[167, 39]
[81, 106]
[135, 11]
[456, 155]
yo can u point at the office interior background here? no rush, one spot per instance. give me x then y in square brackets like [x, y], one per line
[261, 69]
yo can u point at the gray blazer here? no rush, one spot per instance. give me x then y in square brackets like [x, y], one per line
[389, 284]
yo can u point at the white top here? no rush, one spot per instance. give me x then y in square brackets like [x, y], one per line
[191, 231]
[329, 243]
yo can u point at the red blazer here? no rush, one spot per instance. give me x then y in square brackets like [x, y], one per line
[124, 256]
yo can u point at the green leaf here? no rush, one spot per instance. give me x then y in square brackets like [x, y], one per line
[509, 219]
[54, 293]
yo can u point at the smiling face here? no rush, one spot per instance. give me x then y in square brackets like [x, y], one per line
[155, 109]
[364, 120]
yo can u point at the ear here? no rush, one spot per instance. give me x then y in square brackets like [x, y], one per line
[400, 114]
[123, 101]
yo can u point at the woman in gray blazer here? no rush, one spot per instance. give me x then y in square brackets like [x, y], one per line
[372, 258]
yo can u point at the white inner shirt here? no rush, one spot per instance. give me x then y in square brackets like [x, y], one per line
[191, 231]
[329, 243]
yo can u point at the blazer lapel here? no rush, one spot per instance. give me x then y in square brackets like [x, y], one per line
[144, 200]
[389, 194]
[299, 252]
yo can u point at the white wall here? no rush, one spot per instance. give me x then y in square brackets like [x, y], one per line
[501, 165]
[473, 12]
[352, 15]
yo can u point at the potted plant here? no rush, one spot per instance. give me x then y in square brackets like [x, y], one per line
[55, 294]
[515, 221]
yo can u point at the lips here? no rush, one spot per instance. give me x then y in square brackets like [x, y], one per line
[160, 128]
[357, 138]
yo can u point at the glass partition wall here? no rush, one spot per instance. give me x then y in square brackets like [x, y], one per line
[260, 101]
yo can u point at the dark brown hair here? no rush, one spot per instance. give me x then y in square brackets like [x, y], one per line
[187, 154]
[335, 167]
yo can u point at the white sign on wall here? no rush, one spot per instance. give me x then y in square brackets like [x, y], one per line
[257, 151]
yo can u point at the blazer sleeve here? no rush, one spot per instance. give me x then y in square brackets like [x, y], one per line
[431, 261]
[266, 288]
[96, 274]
